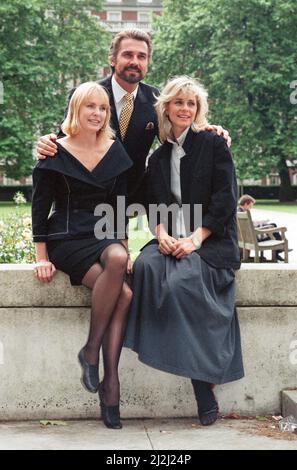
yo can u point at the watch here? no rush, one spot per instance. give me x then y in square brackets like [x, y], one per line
[196, 242]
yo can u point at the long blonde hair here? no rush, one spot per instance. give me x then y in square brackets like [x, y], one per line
[175, 86]
[71, 125]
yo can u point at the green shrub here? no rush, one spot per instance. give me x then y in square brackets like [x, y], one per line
[16, 245]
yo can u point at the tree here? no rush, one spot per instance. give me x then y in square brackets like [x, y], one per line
[245, 52]
[45, 47]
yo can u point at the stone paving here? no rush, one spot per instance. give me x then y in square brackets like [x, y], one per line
[150, 435]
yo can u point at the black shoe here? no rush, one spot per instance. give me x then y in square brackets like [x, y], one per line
[110, 414]
[90, 377]
[210, 416]
[208, 408]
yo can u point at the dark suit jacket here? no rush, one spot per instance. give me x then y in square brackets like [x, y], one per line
[141, 132]
[208, 178]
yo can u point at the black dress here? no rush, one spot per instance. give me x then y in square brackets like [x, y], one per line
[66, 186]
[141, 132]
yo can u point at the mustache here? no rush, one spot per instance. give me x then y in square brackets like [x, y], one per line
[134, 69]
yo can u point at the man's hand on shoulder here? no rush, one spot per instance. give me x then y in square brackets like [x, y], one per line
[46, 146]
[220, 131]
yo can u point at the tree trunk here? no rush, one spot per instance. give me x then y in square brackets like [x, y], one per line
[286, 192]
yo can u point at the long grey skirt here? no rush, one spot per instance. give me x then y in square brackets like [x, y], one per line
[183, 319]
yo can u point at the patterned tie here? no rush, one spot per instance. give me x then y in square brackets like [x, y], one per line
[126, 114]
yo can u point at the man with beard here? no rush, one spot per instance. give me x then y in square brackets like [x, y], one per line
[133, 115]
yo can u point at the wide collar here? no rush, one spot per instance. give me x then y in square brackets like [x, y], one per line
[114, 162]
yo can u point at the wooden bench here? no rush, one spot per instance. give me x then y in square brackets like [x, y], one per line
[248, 238]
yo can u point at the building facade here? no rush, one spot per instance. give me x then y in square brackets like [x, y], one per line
[119, 15]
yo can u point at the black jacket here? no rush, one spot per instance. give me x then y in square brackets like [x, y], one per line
[141, 132]
[74, 192]
[208, 178]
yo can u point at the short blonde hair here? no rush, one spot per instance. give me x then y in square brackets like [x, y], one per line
[174, 87]
[71, 125]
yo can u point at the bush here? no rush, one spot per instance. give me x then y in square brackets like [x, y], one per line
[16, 245]
[265, 192]
[7, 192]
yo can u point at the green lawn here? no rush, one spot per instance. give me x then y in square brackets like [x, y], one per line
[7, 208]
[274, 205]
[265, 204]
[139, 237]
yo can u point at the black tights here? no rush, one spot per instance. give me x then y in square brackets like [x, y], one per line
[111, 298]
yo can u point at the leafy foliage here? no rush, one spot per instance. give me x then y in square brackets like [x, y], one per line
[45, 48]
[245, 52]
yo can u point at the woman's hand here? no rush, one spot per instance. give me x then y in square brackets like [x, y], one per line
[44, 271]
[183, 247]
[167, 244]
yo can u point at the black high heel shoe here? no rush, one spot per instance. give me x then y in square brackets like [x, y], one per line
[208, 408]
[90, 377]
[110, 414]
[209, 417]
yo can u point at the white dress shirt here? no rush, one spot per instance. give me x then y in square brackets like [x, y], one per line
[118, 94]
[177, 154]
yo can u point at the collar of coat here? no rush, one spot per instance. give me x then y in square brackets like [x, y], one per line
[106, 83]
[192, 139]
[192, 146]
[115, 162]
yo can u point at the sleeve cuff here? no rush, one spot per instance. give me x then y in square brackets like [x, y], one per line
[40, 238]
[213, 225]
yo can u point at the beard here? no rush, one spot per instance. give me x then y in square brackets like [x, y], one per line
[131, 75]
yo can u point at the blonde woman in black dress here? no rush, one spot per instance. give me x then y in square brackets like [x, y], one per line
[89, 169]
[182, 317]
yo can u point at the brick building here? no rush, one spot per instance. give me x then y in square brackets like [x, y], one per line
[127, 14]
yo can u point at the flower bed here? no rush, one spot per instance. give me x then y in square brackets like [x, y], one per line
[16, 244]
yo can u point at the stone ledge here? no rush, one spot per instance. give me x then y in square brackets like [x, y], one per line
[289, 403]
[257, 285]
[44, 326]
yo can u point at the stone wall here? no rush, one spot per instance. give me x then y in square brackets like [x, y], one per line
[43, 326]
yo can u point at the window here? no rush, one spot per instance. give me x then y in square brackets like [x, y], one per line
[144, 1]
[114, 1]
[144, 17]
[114, 16]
